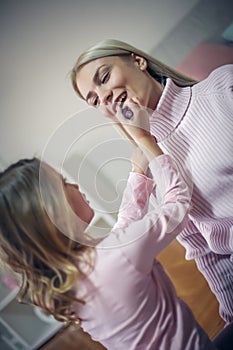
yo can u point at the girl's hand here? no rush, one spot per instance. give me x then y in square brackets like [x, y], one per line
[139, 161]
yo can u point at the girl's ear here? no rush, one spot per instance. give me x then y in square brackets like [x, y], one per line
[141, 62]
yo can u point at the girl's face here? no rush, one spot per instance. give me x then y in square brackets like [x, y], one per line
[107, 83]
[78, 202]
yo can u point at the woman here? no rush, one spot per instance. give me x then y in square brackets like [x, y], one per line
[191, 121]
[115, 287]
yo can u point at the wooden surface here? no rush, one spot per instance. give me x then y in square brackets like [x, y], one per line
[190, 286]
[72, 338]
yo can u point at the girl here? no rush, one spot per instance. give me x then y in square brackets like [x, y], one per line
[115, 287]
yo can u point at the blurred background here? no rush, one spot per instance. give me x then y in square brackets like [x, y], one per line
[40, 41]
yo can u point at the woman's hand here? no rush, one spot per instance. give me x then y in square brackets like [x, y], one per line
[139, 161]
[134, 119]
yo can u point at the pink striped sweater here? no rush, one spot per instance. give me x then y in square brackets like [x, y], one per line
[195, 126]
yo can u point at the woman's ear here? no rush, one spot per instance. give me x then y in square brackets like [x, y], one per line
[141, 62]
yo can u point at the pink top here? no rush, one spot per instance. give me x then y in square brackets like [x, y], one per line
[195, 126]
[130, 301]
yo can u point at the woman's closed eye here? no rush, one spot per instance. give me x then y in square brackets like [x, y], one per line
[95, 101]
[105, 78]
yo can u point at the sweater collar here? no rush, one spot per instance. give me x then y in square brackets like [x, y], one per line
[170, 109]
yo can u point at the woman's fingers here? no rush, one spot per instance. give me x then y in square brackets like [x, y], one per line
[134, 118]
[135, 100]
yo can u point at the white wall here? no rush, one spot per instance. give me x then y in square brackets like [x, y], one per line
[39, 43]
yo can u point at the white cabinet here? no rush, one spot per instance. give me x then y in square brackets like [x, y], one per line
[22, 327]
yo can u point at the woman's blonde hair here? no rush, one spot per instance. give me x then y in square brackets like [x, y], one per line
[111, 47]
[47, 261]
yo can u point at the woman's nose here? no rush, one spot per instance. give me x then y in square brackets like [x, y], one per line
[106, 97]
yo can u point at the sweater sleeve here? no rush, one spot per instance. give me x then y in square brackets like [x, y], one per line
[216, 268]
[134, 204]
[194, 243]
[143, 239]
[218, 271]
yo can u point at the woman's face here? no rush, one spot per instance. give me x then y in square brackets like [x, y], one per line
[107, 83]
